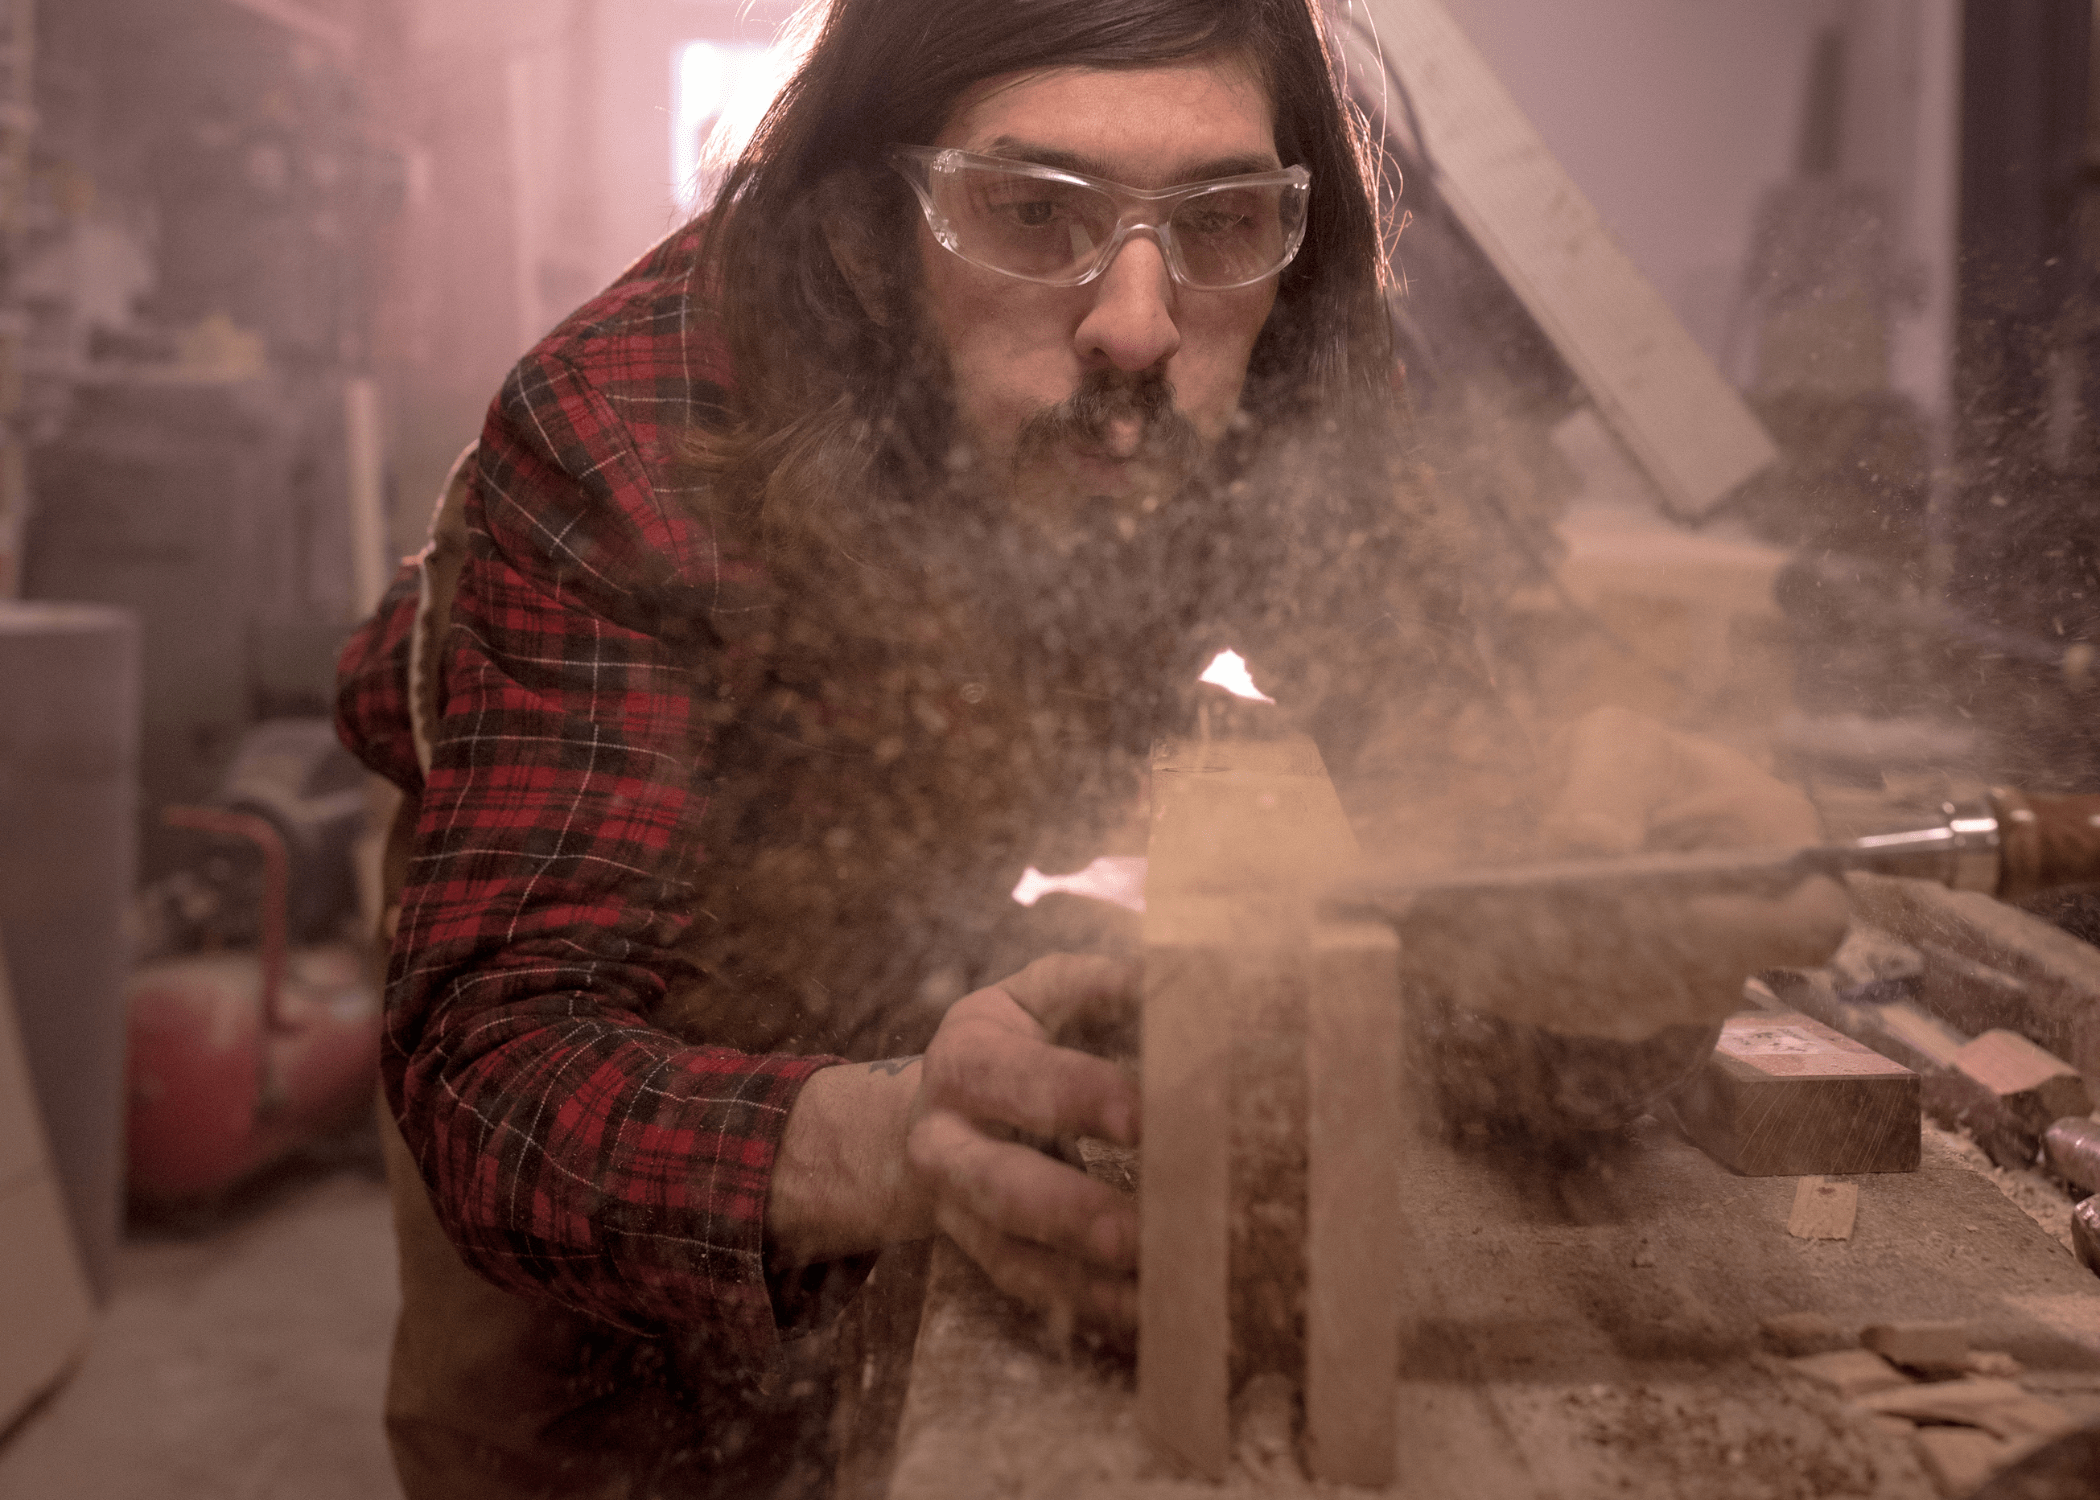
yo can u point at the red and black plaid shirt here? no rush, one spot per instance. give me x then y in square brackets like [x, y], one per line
[576, 1151]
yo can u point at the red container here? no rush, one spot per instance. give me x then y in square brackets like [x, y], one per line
[236, 1059]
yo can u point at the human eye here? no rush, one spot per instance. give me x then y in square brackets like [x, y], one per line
[1222, 213]
[1031, 213]
[1210, 219]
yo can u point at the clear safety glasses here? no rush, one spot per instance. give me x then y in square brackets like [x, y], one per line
[1062, 228]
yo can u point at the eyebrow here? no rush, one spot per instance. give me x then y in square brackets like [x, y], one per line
[1239, 165]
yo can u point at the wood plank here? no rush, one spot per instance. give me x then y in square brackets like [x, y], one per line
[1355, 1233]
[2022, 973]
[1784, 1096]
[46, 1312]
[1184, 1326]
[1675, 414]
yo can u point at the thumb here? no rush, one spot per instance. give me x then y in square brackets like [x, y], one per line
[1066, 992]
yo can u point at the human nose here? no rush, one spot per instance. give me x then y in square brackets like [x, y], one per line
[1131, 323]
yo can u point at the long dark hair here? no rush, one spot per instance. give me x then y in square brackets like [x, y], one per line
[818, 360]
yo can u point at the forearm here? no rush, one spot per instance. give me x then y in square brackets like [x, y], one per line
[840, 1184]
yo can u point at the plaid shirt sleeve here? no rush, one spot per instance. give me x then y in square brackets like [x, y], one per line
[575, 1151]
[371, 681]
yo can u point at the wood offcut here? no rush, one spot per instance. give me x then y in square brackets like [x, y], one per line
[1783, 1095]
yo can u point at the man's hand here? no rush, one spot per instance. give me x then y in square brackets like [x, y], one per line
[1043, 1231]
[876, 1154]
[1584, 963]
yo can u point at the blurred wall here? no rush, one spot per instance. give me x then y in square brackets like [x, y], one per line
[541, 139]
[1676, 117]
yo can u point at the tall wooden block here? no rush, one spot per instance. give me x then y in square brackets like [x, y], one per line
[1184, 1326]
[1355, 1141]
[1785, 1096]
[1269, 1195]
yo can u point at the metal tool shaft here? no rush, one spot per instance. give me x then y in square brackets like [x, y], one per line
[2006, 845]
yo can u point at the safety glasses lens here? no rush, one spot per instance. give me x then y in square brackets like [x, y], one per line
[1037, 227]
[1045, 228]
[1233, 235]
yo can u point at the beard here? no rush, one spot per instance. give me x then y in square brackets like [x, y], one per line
[1167, 451]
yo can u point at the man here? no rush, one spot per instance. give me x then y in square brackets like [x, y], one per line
[837, 564]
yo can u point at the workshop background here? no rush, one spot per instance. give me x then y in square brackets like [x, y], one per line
[264, 262]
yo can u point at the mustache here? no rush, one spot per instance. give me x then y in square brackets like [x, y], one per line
[1104, 397]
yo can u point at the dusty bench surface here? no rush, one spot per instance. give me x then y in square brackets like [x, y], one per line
[1585, 1334]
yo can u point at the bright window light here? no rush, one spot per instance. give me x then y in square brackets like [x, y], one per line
[719, 91]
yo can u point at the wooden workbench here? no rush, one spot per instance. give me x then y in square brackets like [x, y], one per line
[1586, 1333]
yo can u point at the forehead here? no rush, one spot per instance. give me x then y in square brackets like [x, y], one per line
[1143, 127]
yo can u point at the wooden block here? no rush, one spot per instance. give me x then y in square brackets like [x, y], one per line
[1850, 1372]
[1936, 1348]
[1783, 1096]
[1960, 1458]
[1355, 1138]
[1823, 1210]
[2008, 1092]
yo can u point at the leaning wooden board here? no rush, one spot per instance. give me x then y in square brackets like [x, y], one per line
[1590, 1334]
[46, 1312]
[1679, 418]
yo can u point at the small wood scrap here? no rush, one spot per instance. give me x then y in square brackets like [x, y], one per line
[1960, 1458]
[1797, 1333]
[1851, 1373]
[1784, 1096]
[2007, 1092]
[1997, 1406]
[1931, 1348]
[1823, 1210]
